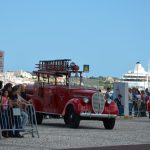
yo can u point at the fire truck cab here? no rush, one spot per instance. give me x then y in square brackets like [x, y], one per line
[59, 92]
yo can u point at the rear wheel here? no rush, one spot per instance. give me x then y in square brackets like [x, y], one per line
[66, 119]
[109, 123]
[34, 117]
[72, 119]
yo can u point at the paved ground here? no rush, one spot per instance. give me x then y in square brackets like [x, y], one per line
[122, 147]
[90, 135]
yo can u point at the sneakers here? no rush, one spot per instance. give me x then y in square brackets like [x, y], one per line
[5, 134]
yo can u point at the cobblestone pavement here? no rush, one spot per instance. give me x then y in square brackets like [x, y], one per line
[55, 135]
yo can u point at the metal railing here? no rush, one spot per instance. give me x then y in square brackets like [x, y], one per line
[16, 120]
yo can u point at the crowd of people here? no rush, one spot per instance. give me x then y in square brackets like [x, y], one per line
[11, 98]
[137, 101]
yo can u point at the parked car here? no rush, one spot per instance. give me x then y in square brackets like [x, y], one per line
[60, 92]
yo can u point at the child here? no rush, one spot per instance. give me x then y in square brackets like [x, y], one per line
[5, 116]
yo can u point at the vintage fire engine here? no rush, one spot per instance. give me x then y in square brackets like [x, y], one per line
[60, 92]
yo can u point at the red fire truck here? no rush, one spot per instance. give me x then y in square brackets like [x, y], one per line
[60, 92]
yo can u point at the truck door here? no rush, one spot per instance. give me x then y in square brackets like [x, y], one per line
[62, 94]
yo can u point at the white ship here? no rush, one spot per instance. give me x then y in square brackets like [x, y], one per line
[138, 78]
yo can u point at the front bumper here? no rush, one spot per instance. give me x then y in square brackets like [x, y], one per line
[92, 115]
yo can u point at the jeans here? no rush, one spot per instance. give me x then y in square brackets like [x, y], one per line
[121, 110]
[130, 108]
[5, 121]
[24, 118]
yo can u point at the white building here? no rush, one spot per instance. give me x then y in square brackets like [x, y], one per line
[138, 78]
[18, 77]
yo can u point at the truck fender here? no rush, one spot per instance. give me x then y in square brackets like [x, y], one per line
[75, 103]
[111, 108]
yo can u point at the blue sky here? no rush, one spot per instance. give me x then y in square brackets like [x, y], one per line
[109, 35]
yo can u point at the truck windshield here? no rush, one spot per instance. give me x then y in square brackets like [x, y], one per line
[75, 80]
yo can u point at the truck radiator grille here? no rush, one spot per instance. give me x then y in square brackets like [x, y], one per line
[98, 102]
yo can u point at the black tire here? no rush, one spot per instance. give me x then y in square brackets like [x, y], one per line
[109, 123]
[72, 119]
[66, 119]
[39, 118]
[149, 114]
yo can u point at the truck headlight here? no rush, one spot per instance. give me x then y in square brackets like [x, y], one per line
[86, 100]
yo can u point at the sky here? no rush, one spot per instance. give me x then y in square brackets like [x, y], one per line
[108, 35]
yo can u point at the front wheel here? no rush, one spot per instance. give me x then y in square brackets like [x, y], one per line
[109, 123]
[66, 119]
[72, 119]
